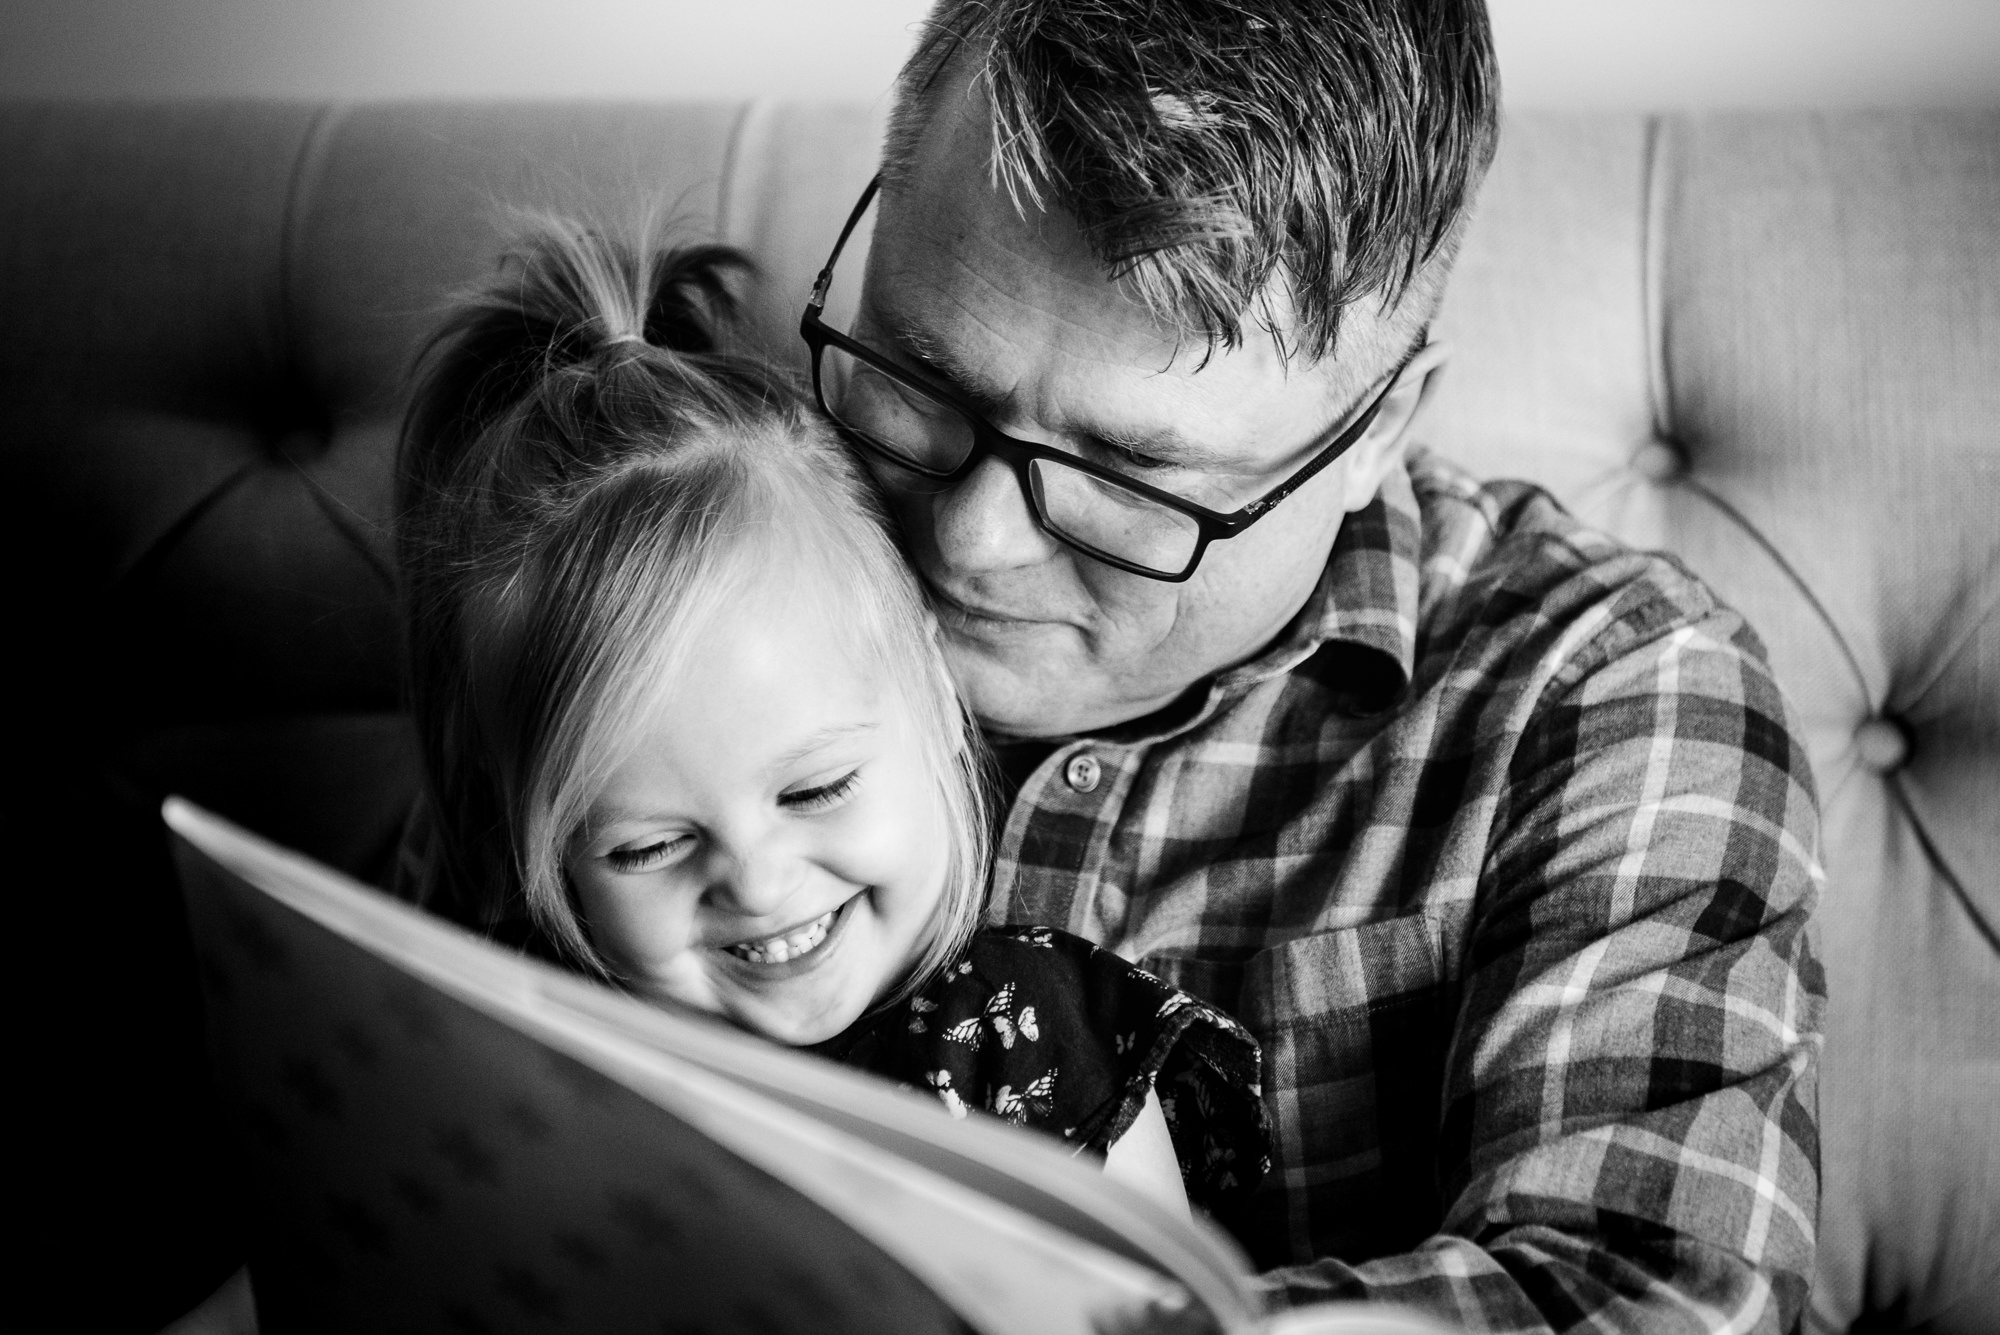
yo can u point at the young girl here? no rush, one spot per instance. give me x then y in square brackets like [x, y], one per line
[687, 725]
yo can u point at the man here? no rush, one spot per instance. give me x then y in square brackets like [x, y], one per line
[1496, 835]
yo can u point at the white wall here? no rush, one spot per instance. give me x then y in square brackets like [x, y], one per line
[476, 48]
[1629, 53]
[1659, 53]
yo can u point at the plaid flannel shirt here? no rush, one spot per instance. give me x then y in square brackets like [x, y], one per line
[1505, 852]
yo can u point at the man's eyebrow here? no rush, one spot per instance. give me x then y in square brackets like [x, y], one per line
[1167, 445]
[950, 368]
[941, 362]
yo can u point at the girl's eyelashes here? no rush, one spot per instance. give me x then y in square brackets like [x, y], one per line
[821, 796]
[657, 853]
[647, 857]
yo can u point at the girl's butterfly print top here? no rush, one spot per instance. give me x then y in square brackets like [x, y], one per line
[1050, 1032]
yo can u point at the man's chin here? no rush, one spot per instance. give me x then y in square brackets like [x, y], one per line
[1030, 696]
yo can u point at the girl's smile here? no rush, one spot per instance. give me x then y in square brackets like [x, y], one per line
[787, 946]
[772, 848]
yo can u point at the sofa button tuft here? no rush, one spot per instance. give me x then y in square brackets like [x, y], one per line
[1882, 745]
[1659, 461]
[299, 446]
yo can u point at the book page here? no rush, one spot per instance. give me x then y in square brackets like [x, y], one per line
[468, 1140]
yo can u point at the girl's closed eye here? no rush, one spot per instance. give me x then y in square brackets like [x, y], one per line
[821, 797]
[650, 855]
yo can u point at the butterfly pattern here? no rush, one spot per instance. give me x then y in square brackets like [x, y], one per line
[1008, 1023]
[940, 1084]
[1046, 1031]
[1034, 1100]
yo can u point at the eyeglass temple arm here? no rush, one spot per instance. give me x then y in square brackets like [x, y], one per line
[1337, 447]
[817, 302]
[1347, 438]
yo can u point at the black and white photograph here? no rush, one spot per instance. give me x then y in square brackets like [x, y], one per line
[1003, 667]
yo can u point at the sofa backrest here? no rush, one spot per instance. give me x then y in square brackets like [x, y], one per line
[1769, 343]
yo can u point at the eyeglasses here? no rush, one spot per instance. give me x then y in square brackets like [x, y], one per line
[901, 419]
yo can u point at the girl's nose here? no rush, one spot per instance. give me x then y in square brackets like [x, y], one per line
[757, 885]
[984, 523]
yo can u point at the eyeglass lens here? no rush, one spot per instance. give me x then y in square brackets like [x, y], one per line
[1107, 518]
[931, 437]
[897, 418]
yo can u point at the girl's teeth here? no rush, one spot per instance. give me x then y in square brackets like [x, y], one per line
[778, 949]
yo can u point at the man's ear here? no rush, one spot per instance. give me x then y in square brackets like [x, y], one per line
[1382, 447]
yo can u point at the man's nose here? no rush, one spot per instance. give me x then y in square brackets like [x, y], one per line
[984, 523]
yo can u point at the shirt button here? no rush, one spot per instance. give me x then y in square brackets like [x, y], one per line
[1083, 772]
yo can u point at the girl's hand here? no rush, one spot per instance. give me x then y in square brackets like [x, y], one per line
[1143, 1158]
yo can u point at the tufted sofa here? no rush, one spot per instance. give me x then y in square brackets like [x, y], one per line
[1770, 343]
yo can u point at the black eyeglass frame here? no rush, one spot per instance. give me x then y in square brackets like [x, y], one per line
[1211, 525]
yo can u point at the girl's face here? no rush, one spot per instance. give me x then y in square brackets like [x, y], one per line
[775, 849]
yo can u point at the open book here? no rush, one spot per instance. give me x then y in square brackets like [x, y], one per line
[445, 1136]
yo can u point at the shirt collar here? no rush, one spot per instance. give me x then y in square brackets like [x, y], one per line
[1363, 610]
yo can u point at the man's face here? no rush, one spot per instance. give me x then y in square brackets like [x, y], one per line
[1018, 317]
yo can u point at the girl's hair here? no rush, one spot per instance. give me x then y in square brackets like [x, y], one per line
[586, 479]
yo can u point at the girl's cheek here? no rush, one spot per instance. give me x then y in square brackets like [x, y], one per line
[912, 851]
[637, 924]
[881, 840]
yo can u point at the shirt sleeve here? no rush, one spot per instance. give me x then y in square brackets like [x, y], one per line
[1629, 1137]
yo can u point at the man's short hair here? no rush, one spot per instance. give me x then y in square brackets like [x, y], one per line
[1206, 148]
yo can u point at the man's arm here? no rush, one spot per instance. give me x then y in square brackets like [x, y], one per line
[1629, 1136]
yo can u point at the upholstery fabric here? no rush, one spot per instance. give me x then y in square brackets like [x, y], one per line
[1769, 343]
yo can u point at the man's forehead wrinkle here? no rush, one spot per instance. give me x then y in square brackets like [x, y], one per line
[1036, 234]
[920, 331]
[976, 383]
[922, 338]
[1044, 238]
[1007, 310]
